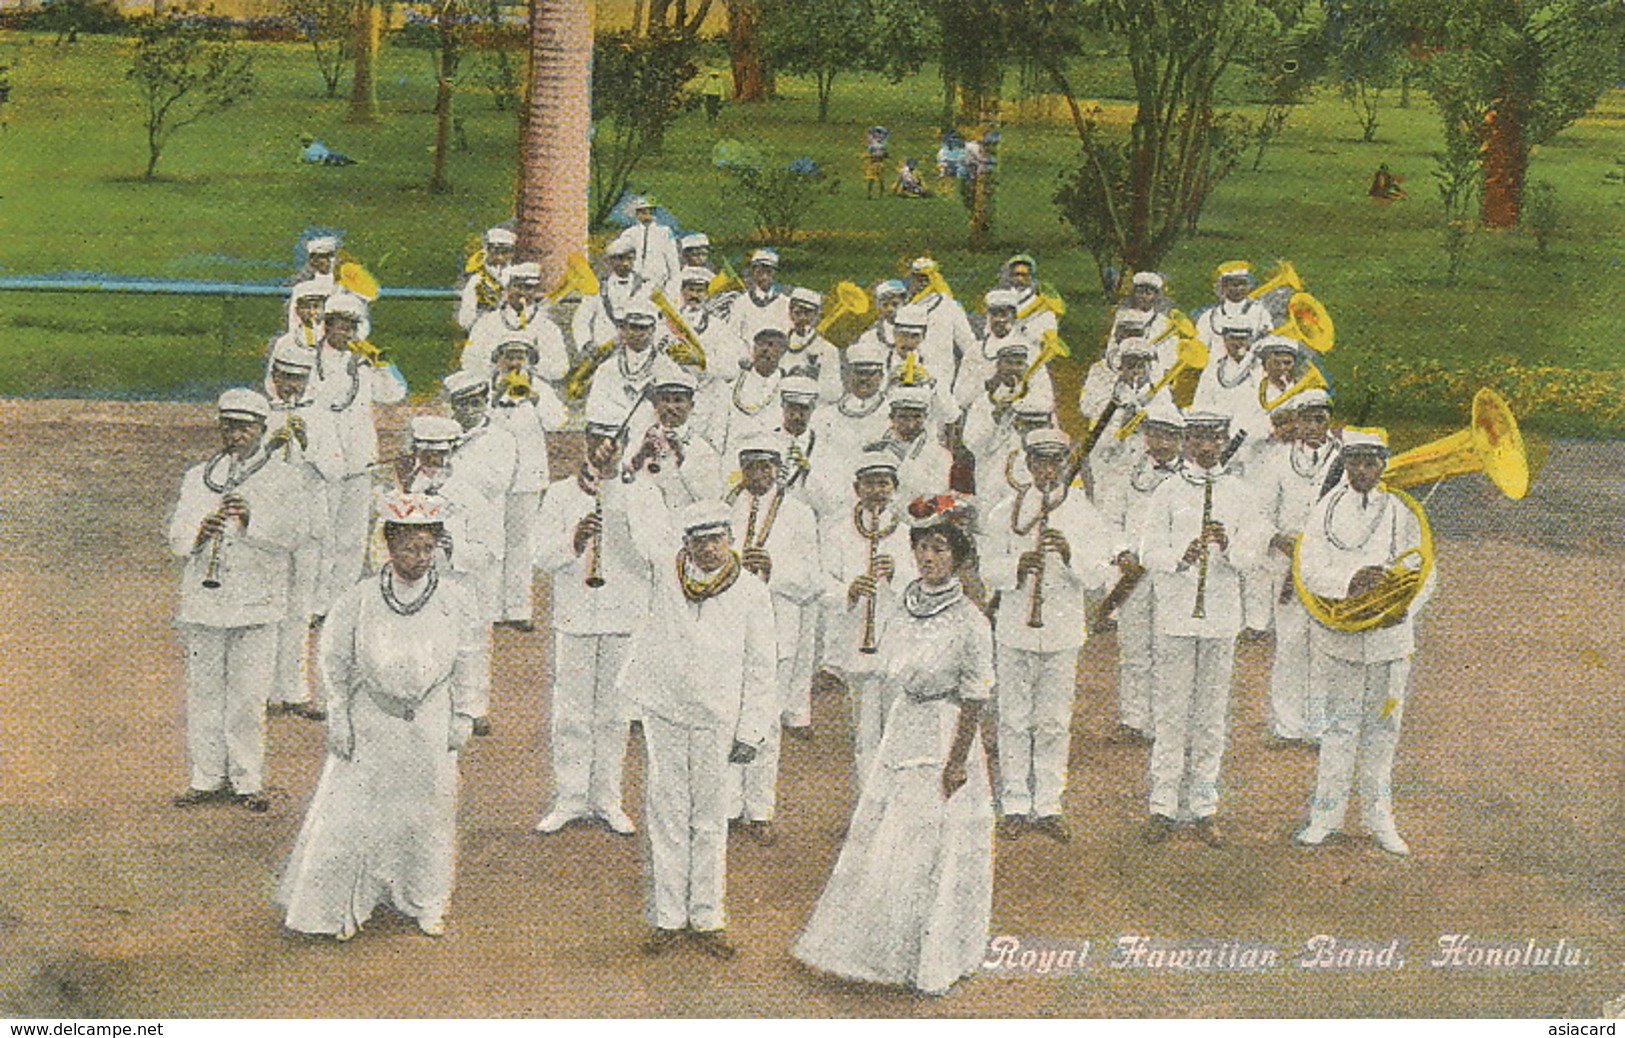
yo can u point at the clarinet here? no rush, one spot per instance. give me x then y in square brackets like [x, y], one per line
[1200, 610]
[1035, 602]
[595, 579]
[211, 575]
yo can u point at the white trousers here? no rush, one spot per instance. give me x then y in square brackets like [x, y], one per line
[349, 506]
[1035, 697]
[518, 569]
[1134, 658]
[292, 681]
[869, 699]
[1258, 588]
[1188, 711]
[228, 679]
[588, 724]
[1364, 705]
[796, 671]
[686, 823]
[752, 791]
[1297, 702]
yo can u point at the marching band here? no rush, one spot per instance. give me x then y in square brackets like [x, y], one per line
[750, 530]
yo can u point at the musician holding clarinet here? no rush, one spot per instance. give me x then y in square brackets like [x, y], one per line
[1202, 528]
[1042, 550]
[236, 526]
[600, 596]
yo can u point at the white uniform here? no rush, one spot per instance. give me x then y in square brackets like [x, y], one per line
[1210, 323]
[1037, 666]
[813, 356]
[753, 410]
[524, 421]
[1365, 674]
[486, 460]
[1195, 655]
[230, 632]
[697, 477]
[481, 293]
[504, 325]
[292, 682]
[754, 310]
[598, 316]
[702, 675]
[1231, 389]
[655, 256]
[621, 380]
[977, 366]
[948, 337]
[923, 467]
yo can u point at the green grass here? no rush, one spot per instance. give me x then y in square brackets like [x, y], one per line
[233, 200]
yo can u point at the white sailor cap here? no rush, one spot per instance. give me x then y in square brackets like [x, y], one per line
[465, 383]
[1014, 345]
[888, 288]
[1129, 324]
[1162, 412]
[694, 241]
[639, 313]
[1136, 347]
[806, 297]
[1236, 270]
[1365, 441]
[288, 355]
[1031, 407]
[911, 318]
[311, 289]
[435, 431]
[922, 265]
[705, 517]
[604, 416]
[1237, 331]
[499, 236]
[623, 245]
[769, 331]
[1148, 279]
[1047, 441]
[1001, 299]
[1310, 398]
[637, 202]
[798, 389]
[759, 445]
[404, 509]
[876, 458]
[244, 405]
[1275, 344]
[345, 304]
[1209, 420]
[694, 276]
[668, 374]
[523, 274]
[906, 398]
[326, 245]
[764, 258]
[515, 345]
[866, 354]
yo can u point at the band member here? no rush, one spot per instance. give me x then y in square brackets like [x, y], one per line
[1123, 498]
[808, 470]
[305, 313]
[995, 436]
[702, 673]
[723, 351]
[1146, 308]
[321, 253]
[764, 304]
[527, 412]
[482, 291]
[598, 316]
[623, 379]
[236, 526]
[600, 596]
[867, 562]
[1293, 478]
[1278, 361]
[978, 368]
[485, 457]
[288, 442]
[908, 367]
[1235, 307]
[754, 398]
[778, 545]
[1351, 538]
[1201, 529]
[1131, 394]
[654, 247]
[807, 352]
[671, 456]
[922, 463]
[693, 251]
[858, 417]
[889, 296]
[1042, 551]
[345, 389]
[948, 335]
[399, 658]
[1019, 275]
[1230, 384]
[519, 318]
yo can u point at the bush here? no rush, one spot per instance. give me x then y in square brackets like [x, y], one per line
[1540, 212]
[782, 197]
[69, 18]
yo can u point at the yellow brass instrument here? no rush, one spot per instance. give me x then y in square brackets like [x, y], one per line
[725, 280]
[353, 277]
[1050, 347]
[934, 282]
[579, 378]
[578, 278]
[1308, 321]
[1311, 379]
[1190, 355]
[1283, 276]
[913, 372]
[874, 532]
[1491, 444]
[1050, 301]
[850, 317]
[687, 349]
[1199, 609]
[515, 385]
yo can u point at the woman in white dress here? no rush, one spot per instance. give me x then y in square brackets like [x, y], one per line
[399, 660]
[911, 895]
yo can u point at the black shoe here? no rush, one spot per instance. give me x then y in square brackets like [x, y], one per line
[481, 726]
[194, 797]
[1208, 832]
[803, 732]
[255, 802]
[1157, 829]
[1128, 735]
[761, 832]
[712, 943]
[317, 621]
[657, 943]
[1053, 826]
[1011, 827]
[308, 712]
[278, 709]
[525, 626]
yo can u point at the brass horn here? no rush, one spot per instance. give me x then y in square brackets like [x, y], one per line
[688, 349]
[851, 315]
[353, 277]
[1312, 379]
[1308, 321]
[1190, 355]
[578, 277]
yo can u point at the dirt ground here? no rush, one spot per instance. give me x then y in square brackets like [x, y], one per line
[113, 903]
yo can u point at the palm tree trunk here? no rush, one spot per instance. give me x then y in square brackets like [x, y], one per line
[554, 153]
[363, 92]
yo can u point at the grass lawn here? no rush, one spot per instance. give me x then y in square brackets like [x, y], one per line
[233, 200]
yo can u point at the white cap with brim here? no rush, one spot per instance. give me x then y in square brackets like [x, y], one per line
[1365, 441]
[1237, 331]
[1148, 279]
[244, 405]
[605, 417]
[499, 236]
[806, 297]
[704, 517]
[323, 246]
[759, 445]
[1207, 420]
[876, 459]
[695, 276]
[523, 274]
[343, 304]
[1136, 347]
[432, 430]
[668, 374]
[1310, 398]
[1163, 413]
[1000, 299]
[911, 318]
[465, 383]
[404, 509]
[887, 289]
[1030, 407]
[1047, 442]
[1275, 344]
[288, 355]
[311, 289]
[694, 241]
[907, 398]
[798, 389]
[1014, 346]
[525, 346]
[922, 265]
[866, 354]
[639, 314]
[764, 258]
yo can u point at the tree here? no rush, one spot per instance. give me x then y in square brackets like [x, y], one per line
[820, 38]
[445, 75]
[185, 71]
[328, 26]
[1368, 46]
[752, 80]
[553, 167]
[367, 27]
[637, 90]
[1515, 73]
[1131, 197]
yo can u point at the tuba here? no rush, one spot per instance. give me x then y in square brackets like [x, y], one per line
[1277, 292]
[1050, 301]
[578, 380]
[1491, 444]
[850, 317]
[688, 349]
[1308, 321]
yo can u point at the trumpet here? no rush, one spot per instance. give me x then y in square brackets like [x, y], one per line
[369, 352]
[875, 532]
[515, 385]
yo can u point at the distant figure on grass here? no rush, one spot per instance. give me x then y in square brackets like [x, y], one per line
[874, 161]
[909, 184]
[315, 153]
[1385, 186]
[711, 94]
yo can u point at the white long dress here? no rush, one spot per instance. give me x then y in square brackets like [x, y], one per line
[382, 822]
[911, 896]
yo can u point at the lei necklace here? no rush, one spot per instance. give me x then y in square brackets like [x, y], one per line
[386, 583]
